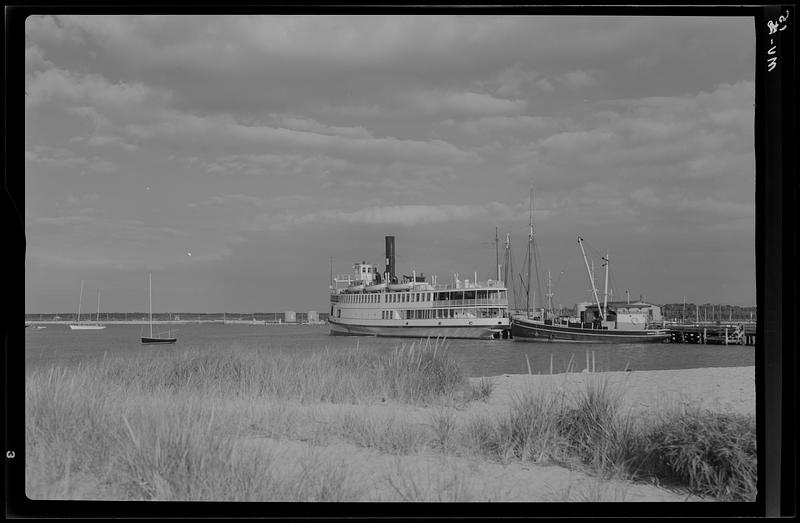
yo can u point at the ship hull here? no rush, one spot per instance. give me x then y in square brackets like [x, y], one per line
[480, 332]
[87, 327]
[530, 330]
[158, 341]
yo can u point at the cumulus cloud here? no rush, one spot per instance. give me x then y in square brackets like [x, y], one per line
[402, 215]
[90, 89]
[58, 157]
[81, 199]
[34, 59]
[182, 129]
[577, 79]
[300, 123]
[676, 203]
[228, 201]
[688, 131]
[464, 103]
[272, 164]
[522, 124]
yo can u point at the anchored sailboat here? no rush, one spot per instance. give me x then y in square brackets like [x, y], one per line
[155, 339]
[87, 326]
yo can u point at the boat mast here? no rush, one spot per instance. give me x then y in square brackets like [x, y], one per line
[79, 302]
[530, 242]
[507, 268]
[497, 252]
[150, 294]
[549, 295]
[591, 278]
[605, 290]
[98, 306]
[683, 316]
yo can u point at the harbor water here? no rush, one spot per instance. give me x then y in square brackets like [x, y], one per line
[58, 345]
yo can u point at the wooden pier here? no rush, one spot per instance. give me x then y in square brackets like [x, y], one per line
[713, 333]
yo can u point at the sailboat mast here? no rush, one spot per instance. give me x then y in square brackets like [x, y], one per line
[591, 277]
[530, 242]
[507, 268]
[150, 294]
[605, 290]
[683, 316]
[98, 305]
[79, 302]
[549, 295]
[497, 251]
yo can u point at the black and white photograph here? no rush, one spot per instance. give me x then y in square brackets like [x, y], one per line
[412, 256]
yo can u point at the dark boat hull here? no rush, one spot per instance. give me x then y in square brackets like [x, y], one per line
[532, 330]
[155, 341]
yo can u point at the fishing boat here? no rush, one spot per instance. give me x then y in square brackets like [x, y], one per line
[87, 326]
[615, 322]
[366, 303]
[155, 339]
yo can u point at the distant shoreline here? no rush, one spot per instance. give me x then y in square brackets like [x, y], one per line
[168, 322]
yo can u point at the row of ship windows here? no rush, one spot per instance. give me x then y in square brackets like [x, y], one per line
[424, 314]
[410, 297]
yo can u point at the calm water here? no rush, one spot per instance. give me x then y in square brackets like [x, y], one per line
[57, 344]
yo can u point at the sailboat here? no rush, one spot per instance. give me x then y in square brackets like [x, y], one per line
[87, 326]
[608, 323]
[148, 340]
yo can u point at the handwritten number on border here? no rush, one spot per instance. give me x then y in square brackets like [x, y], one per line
[774, 27]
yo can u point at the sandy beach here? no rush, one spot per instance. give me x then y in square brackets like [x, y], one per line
[722, 389]
[436, 476]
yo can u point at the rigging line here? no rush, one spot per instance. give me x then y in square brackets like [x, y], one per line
[564, 270]
[597, 253]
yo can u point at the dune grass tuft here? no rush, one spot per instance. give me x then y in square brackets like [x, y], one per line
[714, 453]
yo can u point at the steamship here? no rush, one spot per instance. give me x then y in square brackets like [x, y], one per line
[366, 303]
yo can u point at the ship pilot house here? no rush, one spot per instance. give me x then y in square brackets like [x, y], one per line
[624, 315]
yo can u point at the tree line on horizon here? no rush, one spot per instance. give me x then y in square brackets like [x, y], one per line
[707, 312]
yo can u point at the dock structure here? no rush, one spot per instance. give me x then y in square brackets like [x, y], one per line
[713, 333]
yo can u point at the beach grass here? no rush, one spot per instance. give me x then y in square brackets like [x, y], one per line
[192, 425]
[714, 453]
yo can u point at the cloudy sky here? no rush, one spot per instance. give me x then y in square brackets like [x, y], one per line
[233, 156]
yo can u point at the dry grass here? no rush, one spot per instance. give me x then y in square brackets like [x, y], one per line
[171, 427]
[711, 454]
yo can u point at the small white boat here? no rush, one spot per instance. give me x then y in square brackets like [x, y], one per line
[78, 326]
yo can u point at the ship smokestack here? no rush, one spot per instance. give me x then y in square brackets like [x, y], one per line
[390, 258]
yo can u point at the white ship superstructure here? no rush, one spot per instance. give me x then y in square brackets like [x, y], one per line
[366, 303]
